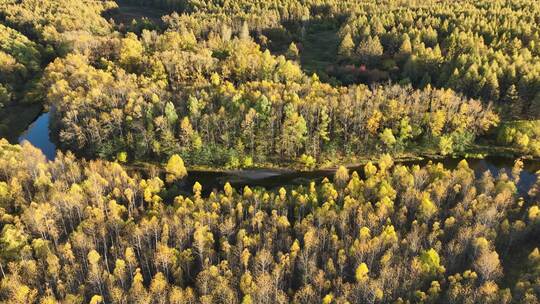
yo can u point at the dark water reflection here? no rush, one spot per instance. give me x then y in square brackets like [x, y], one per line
[272, 179]
[38, 135]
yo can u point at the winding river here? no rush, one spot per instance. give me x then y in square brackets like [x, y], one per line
[274, 178]
[38, 135]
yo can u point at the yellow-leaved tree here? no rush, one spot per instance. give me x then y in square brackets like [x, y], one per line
[175, 169]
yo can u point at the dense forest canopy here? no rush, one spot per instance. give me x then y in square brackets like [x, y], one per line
[254, 83]
[164, 94]
[76, 231]
[208, 84]
[33, 33]
[160, 92]
[485, 49]
[20, 59]
[51, 21]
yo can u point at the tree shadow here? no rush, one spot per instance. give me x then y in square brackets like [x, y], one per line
[130, 17]
[318, 40]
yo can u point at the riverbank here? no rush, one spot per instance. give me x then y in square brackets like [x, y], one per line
[24, 116]
[506, 155]
[275, 178]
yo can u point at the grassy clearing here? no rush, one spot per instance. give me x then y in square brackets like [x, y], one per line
[125, 14]
[319, 51]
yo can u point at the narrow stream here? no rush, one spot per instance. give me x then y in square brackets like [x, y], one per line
[274, 178]
[38, 135]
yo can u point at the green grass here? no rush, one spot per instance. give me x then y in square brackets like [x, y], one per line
[127, 13]
[319, 51]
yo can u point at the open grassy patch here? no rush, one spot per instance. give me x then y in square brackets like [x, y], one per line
[126, 14]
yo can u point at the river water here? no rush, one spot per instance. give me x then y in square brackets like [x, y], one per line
[38, 135]
[274, 178]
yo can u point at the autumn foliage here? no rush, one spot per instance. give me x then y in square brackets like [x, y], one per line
[76, 231]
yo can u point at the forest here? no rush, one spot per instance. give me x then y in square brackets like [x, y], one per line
[226, 85]
[88, 231]
[382, 109]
